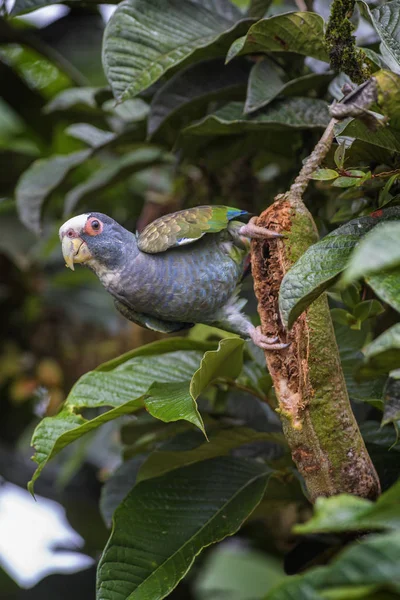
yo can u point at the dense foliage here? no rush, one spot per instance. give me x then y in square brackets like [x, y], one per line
[207, 102]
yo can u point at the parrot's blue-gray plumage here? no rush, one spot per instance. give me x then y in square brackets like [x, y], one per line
[184, 268]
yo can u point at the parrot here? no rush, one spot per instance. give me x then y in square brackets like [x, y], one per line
[183, 268]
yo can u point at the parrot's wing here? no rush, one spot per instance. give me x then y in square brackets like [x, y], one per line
[186, 226]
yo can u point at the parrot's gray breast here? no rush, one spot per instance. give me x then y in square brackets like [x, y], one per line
[181, 284]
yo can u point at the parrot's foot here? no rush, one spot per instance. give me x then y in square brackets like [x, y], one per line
[255, 232]
[264, 342]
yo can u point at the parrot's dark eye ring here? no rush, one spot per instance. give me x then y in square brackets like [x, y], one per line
[93, 226]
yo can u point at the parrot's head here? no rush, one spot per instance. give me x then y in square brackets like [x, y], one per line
[94, 239]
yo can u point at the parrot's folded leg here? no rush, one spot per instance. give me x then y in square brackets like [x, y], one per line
[150, 322]
[263, 341]
[230, 318]
[255, 232]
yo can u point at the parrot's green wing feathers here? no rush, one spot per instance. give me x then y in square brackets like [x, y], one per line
[186, 226]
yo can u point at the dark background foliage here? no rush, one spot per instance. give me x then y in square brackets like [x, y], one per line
[137, 142]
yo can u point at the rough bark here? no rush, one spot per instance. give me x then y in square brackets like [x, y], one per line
[314, 407]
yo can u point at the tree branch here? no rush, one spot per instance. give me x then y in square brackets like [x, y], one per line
[314, 407]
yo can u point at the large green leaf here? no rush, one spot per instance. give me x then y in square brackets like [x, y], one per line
[39, 180]
[187, 94]
[267, 81]
[372, 562]
[391, 397]
[289, 113]
[323, 262]
[122, 388]
[164, 523]
[349, 513]
[55, 433]
[174, 401]
[165, 377]
[23, 6]
[386, 21]
[117, 170]
[145, 39]
[220, 443]
[301, 32]
[384, 137]
[383, 354]
[379, 250]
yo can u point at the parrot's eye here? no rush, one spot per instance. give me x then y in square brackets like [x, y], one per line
[94, 226]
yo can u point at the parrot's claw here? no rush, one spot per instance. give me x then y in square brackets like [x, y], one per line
[255, 232]
[265, 342]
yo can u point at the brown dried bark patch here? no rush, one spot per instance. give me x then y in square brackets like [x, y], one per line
[314, 407]
[288, 368]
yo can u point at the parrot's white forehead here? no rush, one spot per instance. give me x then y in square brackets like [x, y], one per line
[76, 223]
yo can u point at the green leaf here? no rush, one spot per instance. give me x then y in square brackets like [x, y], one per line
[159, 347]
[172, 402]
[55, 433]
[379, 250]
[186, 96]
[372, 561]
[91, 135]
[164, 523]
[348, 513]
[385, 20]
[300, 32]
[145, 39]
[39, 180]
[386, 286]
[383, 137]
[81, 98]
[324, 175]
[229, 574]
[351, 343]
[117, 487]
[289, 113]
[368, 309]
[175, 401]
[267, 81]
[120, 385]
[389, 95]
[220, 443]
[23, 6]
[166, 377]
[391, 396]
[117, 170]
[383, 354]
[258, 8]
[322, 263]
[342, 316]
[226, 361]
[345, 182]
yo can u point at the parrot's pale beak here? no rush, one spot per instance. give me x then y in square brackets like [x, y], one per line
[75, 250]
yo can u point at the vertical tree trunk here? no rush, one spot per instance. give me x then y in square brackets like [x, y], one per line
[314, 407]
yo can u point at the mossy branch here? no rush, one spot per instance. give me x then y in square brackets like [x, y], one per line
[314, 406]
[341, 44]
